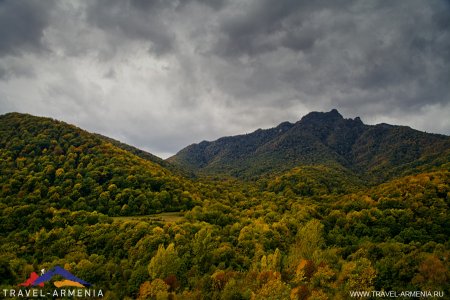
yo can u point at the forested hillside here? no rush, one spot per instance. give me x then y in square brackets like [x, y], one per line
[307, 231]
[46, 163]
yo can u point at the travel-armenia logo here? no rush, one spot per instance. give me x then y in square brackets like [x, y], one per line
[67, 285]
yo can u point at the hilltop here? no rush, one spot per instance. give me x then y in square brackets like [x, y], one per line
[375, 152]
[50, 163]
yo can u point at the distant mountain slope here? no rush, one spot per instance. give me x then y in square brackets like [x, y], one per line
[317, 139]
[144, 155]
[136, 151]
[47, 163]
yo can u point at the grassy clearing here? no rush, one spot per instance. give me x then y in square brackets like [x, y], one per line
[166, 217]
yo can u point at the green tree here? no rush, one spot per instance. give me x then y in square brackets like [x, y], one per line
[309, 241]
[166, 262]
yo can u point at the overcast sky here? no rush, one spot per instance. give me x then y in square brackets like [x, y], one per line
[161, 75]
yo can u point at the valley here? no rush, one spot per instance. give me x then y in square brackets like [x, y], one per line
[311, 210]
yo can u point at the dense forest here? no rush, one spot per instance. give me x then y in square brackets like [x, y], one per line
[368, 212]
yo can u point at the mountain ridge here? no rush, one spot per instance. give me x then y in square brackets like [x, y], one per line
[62, 189]
[317, 138]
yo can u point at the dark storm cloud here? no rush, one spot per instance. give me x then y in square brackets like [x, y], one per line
[162, 74]
[22, 25]
[400, 48]
[261, 26]
[215, 4]
[3, 73]
[134, 19]
[145, 20]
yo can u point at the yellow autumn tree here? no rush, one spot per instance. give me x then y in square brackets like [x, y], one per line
[166, 262]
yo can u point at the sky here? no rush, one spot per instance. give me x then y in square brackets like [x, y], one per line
[161, 75]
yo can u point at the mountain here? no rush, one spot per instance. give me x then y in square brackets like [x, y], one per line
[311, 228]
[47, 163]
[319, 138]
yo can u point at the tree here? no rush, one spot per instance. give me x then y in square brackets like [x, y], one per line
[202, 247]
[308, 242]
[358, 275]
[272, 262]
[273, 290]
[166, 262]
[157, 289]
[433, 274]
[6, 273]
